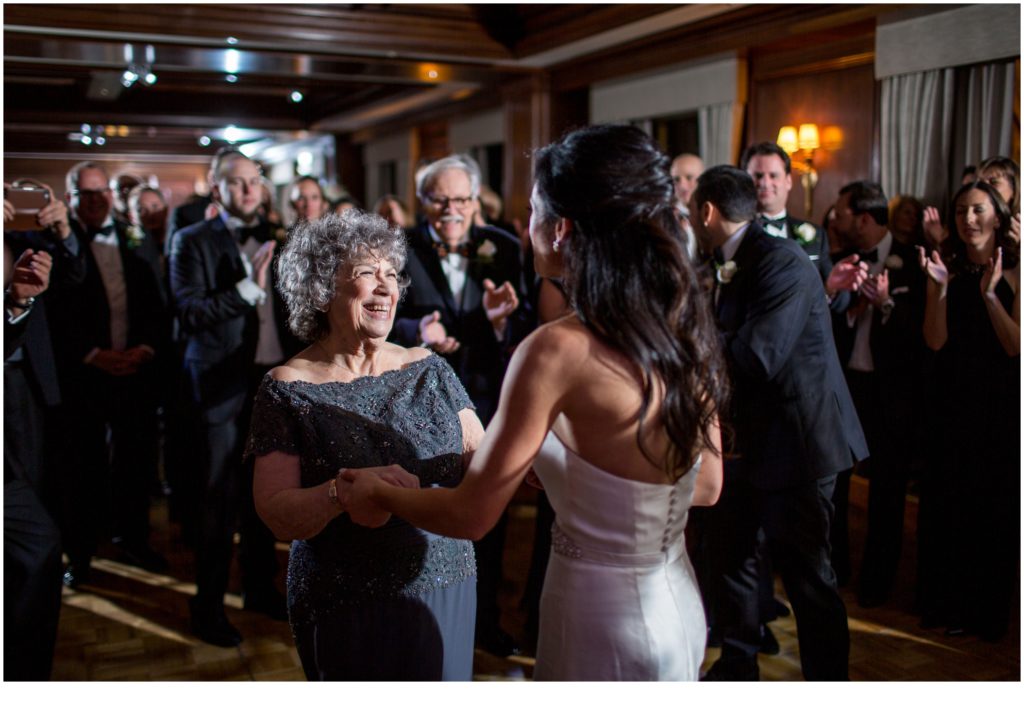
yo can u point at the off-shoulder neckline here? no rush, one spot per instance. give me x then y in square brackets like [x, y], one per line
[404, 368]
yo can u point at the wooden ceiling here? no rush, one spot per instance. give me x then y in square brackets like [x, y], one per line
[359, 68]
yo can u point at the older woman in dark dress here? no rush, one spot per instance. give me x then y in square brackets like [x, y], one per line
[395, 602]
[969, 525]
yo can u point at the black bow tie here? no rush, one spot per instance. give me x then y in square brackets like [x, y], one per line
[778, 222]
[869, 256]
[256, 231]
[90, 234]
[443, 249]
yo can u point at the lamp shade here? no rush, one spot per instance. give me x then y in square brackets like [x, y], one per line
[787, 140]
[808, 139]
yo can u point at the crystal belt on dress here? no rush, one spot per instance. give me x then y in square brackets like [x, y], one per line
[565, 546]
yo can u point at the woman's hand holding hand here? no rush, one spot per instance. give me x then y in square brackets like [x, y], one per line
[993, 274]
[933, 229]
[355, 495]
[933, 267]
[396, 476]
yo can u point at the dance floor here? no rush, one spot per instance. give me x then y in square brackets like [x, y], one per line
[129, 624]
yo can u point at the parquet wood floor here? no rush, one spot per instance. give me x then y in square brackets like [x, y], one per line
[133, 625]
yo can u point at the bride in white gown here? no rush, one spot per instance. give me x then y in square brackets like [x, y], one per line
[614, 406]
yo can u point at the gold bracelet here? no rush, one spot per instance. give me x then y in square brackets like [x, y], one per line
[332, 491]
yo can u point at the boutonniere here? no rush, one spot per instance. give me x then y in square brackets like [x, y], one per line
[280, 234]
[134, 236]
[485, 252]
[894, 262]
[724, 272]
[806, 232]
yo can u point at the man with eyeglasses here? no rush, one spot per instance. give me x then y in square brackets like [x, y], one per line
[466, 301]
[107, 335]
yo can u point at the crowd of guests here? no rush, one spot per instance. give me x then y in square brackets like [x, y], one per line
[130, 330]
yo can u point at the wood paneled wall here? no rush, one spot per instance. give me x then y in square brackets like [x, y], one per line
[844, 99]
[827, 80]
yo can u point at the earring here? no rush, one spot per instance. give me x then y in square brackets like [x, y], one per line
[555, 245]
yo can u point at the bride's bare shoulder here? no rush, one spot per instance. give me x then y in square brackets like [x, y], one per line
[565, 340]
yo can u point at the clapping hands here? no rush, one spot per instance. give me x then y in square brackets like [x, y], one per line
[933, 267]
[499, 303]
[435, 336]
[993, 274]
[933, 229]
[848, 274]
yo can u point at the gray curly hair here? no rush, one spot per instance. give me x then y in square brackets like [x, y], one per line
[307, 270]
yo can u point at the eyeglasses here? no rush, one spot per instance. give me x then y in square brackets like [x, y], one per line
[91, 193]
[443, 202]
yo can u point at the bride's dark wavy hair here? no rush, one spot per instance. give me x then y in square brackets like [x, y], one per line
[629, 279]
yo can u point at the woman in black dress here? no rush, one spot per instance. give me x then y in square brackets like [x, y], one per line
[970, 501]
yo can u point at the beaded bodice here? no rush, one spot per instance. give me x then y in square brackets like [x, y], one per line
[407, 417]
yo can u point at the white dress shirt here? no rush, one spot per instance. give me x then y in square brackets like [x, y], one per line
[268, 346]
[860, 358]
[107, 254]
[454, 267]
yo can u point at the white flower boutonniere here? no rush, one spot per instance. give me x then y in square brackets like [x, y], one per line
[485, 252]
[894, 262]
[725, 272]
[806, 232]
[134, 236]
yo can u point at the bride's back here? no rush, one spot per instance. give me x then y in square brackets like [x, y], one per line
[599, 420]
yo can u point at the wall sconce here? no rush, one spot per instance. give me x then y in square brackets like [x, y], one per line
[801, 143]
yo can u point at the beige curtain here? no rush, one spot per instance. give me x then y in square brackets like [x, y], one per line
[983, 124]
[718, 132]
[916, 134]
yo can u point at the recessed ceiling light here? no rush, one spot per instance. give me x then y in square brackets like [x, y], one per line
[204, 140]
[150, 78]
[231, 78]
[100, 141]
[296, 96]
[232, 40]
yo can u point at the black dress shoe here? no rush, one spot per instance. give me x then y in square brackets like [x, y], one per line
[732, 671]
[75, 576]
[213, 627]
[140, 555]
[496, 642]
[269, 602]
[769, 645]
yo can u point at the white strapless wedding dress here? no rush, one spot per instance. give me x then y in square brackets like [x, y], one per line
[620, 599]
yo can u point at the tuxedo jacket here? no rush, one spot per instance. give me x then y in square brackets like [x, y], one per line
[32, 334]
[481, 359]
[791, 410]
[80, 316]
[896, 341]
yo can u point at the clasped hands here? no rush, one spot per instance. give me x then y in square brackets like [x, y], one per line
[356, 492]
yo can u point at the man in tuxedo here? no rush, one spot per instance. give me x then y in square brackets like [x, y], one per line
[795, 429]
[464, 302]
[32, 550]
[770, 167]
[221, 284]
[107, 333]
[686, 168]
[881, 349]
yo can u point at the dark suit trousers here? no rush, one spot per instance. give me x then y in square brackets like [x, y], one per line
[888, 471]
[226, 503]
[795, 521]
[32, 564]
[107, 484]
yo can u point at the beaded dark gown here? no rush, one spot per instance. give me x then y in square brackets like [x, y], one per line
[388, 603]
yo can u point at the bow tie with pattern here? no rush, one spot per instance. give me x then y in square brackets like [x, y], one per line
[443, 249]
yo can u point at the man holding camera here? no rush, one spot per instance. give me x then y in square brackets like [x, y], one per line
[38, 247]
